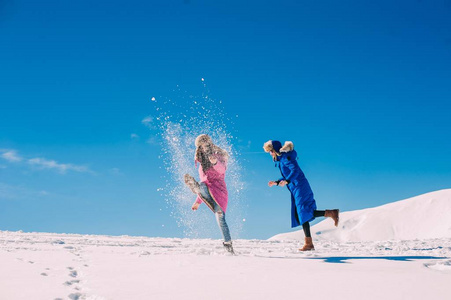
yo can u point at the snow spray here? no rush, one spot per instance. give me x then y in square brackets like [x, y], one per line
[177, 121]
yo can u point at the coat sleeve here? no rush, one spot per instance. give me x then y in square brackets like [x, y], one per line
[220, 167]
[294, 171]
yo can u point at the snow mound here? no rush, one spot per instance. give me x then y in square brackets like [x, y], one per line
[427, 216]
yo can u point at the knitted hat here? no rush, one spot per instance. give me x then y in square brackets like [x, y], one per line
[203, 139]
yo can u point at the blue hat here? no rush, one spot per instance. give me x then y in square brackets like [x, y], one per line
[276, 145]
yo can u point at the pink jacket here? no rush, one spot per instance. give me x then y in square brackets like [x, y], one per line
[214, 178]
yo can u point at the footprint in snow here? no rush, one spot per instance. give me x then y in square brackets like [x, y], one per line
[73, 273]
[75, 296]
[71, 282]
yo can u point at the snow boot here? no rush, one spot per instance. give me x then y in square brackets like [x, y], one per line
[308, 245]
[334, 214]
[228, 246]
[192, 184]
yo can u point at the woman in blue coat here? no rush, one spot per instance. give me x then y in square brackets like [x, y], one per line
[303, 205]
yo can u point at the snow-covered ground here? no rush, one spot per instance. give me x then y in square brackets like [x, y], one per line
[348, 263]
[63, 266]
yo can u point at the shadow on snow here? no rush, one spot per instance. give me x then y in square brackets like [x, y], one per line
[343, 259]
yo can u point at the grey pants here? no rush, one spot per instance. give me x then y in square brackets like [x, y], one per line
[217, 210]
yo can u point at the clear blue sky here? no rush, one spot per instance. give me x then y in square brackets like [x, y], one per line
[362, 88]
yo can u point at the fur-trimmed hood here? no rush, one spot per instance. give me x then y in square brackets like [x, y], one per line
[269, 146]
[287, 147]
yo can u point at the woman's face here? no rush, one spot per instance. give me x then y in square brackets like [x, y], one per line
[205, 147]
[273, 154]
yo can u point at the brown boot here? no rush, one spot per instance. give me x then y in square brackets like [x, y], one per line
[308, 245]
[192, 184]
[334, 214]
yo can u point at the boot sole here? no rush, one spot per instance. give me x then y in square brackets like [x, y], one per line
[192, 184]
[300, 250]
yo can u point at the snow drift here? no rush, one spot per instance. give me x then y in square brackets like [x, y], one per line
[427, 216]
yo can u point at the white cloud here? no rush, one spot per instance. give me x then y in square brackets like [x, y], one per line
[148, 121]
[51, 164]
[11, 155]
[134, 136]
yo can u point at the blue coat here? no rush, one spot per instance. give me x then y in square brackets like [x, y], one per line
[302, 201]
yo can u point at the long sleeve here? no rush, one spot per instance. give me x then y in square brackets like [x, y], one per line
[220, 167]
[294, 171]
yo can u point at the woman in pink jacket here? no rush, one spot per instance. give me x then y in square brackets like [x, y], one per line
[212, 189]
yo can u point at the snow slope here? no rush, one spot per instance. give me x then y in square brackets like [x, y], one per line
[426, 216]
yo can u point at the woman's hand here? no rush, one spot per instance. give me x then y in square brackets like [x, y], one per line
[213, 159]
[283, 183]
[272, 183]
[195, 206]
